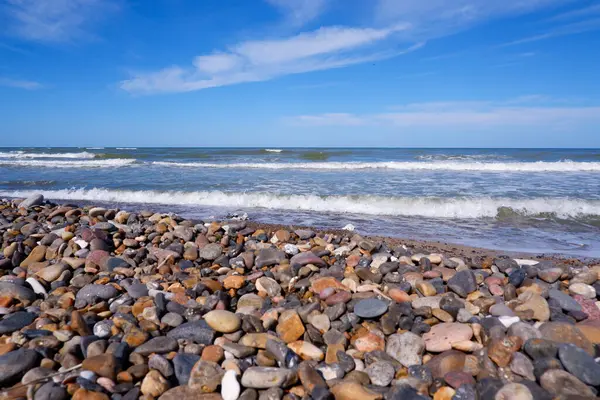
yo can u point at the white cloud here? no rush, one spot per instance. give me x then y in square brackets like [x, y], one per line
[20, 84]
[300, 12]
[53, 20]
[253, 61]
[520, 112]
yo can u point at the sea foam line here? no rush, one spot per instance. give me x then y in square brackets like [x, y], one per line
[112, 163]
[540, 166]
[25, 155]
[433, 207]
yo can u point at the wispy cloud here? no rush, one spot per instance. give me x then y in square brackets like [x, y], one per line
[300, 12]
[463, 115]
[254, 61]
[578, 13]
[434, 18]
[55, 20]
[564, 30]
[20, 84]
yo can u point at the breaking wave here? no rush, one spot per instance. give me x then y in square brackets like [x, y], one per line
[432, 207]
[540, 166]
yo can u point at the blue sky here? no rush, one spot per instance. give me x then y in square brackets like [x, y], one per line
[435, 73]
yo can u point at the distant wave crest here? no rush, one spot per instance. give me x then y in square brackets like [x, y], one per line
[110, 163]
[540, 166]
[432, 207]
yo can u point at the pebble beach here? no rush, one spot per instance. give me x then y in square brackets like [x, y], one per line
[103, 303]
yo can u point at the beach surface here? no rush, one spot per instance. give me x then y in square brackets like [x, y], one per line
[109, 303]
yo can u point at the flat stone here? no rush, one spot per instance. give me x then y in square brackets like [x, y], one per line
[196, 331]
[565, 301]
[269, 257]
[89, 294]
[302, 259]
[441, 337]
[103, 365]
[158, 345]
[14, 364]
[267, 377]
[370, 308]
[14, 322]
[580, 364]
[562, 332]
[562, 384]
[407, 348]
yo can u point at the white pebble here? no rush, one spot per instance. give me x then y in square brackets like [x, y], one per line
[508, 321]
[37, 287]
[230, 388]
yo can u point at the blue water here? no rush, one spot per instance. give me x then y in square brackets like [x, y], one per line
[538, 200]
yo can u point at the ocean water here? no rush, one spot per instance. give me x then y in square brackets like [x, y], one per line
[536, 200]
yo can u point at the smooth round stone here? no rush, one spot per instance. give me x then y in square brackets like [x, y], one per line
[442, 336]
[223, 321]
[160, 345]
[172, 319]
[584, 290]
[580, 364]
[267, 377]
[370, 308]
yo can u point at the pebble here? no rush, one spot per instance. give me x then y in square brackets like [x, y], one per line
[267, 377]
[230, 387]
[370, 308]
[580, 364]
[406, 348]
[223, 321]
[14, 364]
[381, 373]
[441, 337]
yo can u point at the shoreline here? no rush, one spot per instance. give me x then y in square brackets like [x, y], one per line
[430, 246]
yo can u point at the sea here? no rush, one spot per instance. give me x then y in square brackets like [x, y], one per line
[527, 200]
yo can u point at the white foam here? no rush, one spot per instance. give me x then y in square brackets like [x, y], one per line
[464, 208]
[126, 148]
[273, 150]
[561, 166]
[112, 163]
[24, 155]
